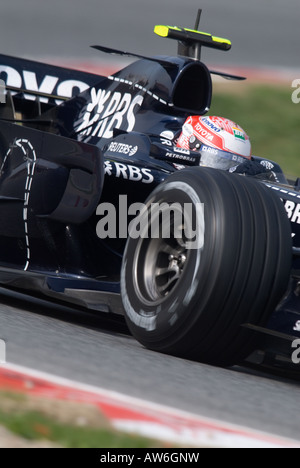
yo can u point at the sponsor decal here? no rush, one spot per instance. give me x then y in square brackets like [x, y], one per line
[108, 110]
[239, 134]
[122, 148]
[204, 133]
[293, 211]
[181, 157]
[210, 124]
[28, 80]
[128, 172]
[177, 152]
[209, 149]
[181, 150]
[166, 142]
[235, 157]
[267, 164]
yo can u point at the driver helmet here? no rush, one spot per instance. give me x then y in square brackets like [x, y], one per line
[222, 143]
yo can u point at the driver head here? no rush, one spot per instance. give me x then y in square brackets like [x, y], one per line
[216, 138]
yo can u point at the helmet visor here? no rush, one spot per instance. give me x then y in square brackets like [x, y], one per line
[218, 159]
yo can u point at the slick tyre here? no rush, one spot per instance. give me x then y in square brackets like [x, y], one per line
[190, 294]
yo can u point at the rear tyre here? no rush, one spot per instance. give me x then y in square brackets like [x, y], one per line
[192, 302]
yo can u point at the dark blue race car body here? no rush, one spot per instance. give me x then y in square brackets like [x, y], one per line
[70, 140]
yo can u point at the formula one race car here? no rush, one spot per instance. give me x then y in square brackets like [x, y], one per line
[118, 194]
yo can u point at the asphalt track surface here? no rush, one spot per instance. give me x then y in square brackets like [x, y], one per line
[98, 351]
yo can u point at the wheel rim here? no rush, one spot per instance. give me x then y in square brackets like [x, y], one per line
[159, 265]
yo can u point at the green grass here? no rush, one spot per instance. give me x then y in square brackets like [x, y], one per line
[35, 426]
[38, 419]
[268, 115]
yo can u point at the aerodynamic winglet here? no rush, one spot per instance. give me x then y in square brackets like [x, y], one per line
[228, 76]
[109, 50]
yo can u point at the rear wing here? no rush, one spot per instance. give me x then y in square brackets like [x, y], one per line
[190, 41]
